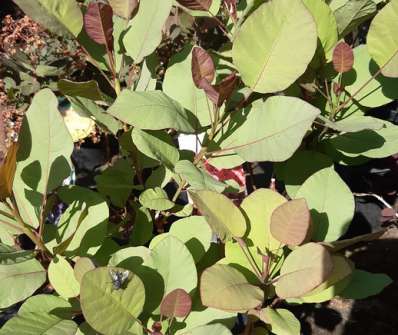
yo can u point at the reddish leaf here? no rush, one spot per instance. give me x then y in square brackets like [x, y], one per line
[203, 70]
[343, 57]
[196, 4]
[291, 222]
[177, 303]
[98, 23]
[225, 88]
[237, 173]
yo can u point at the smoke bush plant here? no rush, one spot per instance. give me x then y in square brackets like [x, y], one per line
[282, 86]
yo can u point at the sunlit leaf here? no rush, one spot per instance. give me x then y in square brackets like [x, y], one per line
[381, 39]
[226, 282]
[262, 47]
[109, 310]
[303, 270]
[225, 219]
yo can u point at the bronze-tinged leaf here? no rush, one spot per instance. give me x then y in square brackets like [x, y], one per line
[177, 303]
[203, 70]
[196, 4]
[225, 88]
[291, 222]
[343, 57]
[98, 23]
[7, 172]
[124, 8]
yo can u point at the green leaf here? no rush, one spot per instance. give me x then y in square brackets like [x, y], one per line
[291, 222]
[214, 329]
[352, 13]
[364, 284]
[331, 203]
[173, 261]
[282, 321]
[261, 49]
[185, 91]
[226, 282]
[326, 25]
[202, 316]
[43, 157]
[62, 278]
[197, 178]
[236, 257]
[381, 39]
[91, 109]
[303, 270]
[47, 303]
[19, 281]
[82, 265]
[117, 182]
[377, 92]
[87, 89]
[258, 208]
[145, 29]
[38, 323]
[152, 111]
[155, 198]
[9, 255]
[59, 16]
[193, 231]
[90, 233]
[369, 143]
[224, 218]
[299, 167]
[142, 228]
[106, 309]
[337, 282]
[273, 129]
[157, 145]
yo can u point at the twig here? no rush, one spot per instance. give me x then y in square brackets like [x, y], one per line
[378, 197]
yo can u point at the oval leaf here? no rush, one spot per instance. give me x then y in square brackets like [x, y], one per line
[19, 281]
[98, 23]
[109, 310]
[304, 269]
[263, 56]
[176, 304]
[227, 282]
[381, 40]
[279, 122]
[145, 29]
[59, 16]
[203, 70]
[343, 57]
[153, 111]
[225, 219]
[156, 198]
[62, 278]
[331, 203]
[291, 222]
